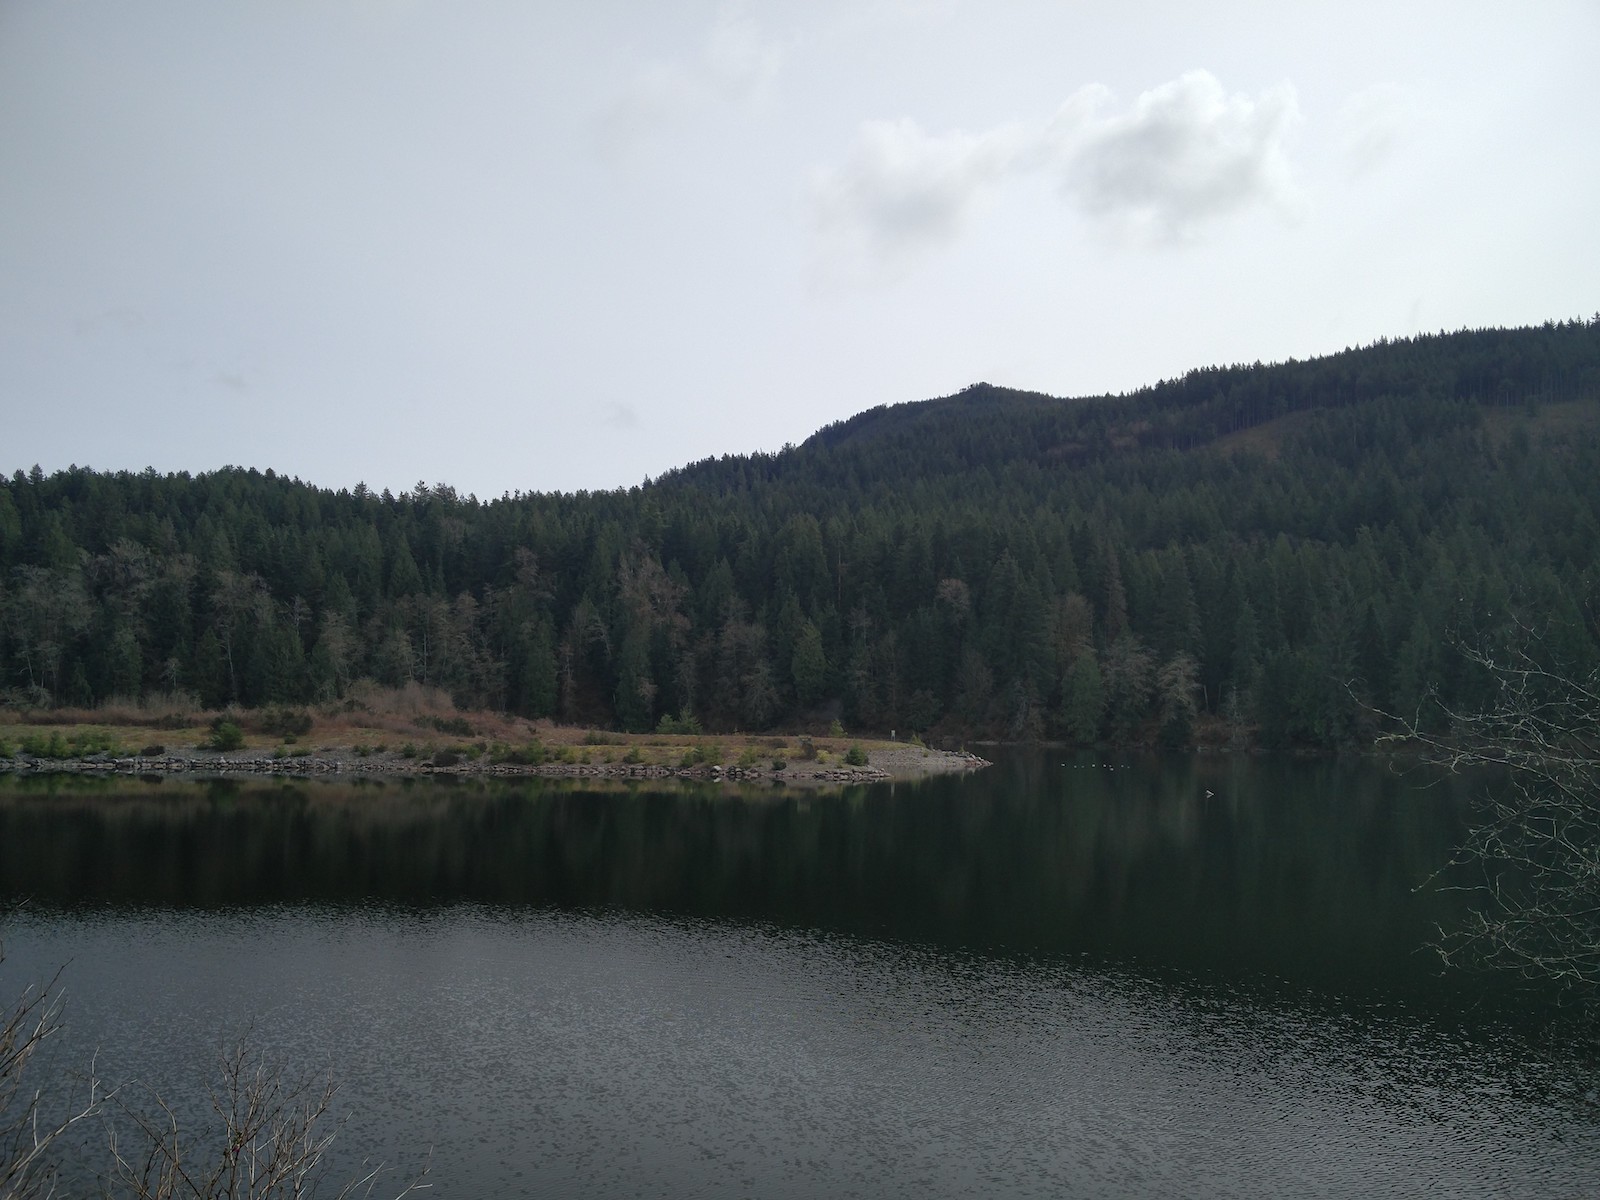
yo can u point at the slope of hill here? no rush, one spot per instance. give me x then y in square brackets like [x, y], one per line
[1281, 548]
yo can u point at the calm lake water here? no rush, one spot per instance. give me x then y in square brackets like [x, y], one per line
[1052, 978]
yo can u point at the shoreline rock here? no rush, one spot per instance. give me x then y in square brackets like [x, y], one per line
[889, 765]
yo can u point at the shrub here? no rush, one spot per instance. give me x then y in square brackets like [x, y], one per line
[748, 758]
[408, 750]
[633, 757]
[683, 723]
[856, 756]
[836, 729]
[778, 764]
[5, 749]
[455, 726]
[807, 750]
[446, 758]
[53, 745]
[598, 737]
[225, 735]
[530, 755]
[300, 752]
[80, 744]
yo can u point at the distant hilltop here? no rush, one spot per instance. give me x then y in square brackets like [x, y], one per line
[1261, 554]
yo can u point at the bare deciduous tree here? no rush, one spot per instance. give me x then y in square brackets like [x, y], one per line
[28, 1136]
[268, 1140]
[1535, 846]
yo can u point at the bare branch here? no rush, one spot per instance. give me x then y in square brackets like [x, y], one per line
[1535, 846]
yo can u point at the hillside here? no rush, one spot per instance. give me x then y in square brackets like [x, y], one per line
[1280, 549]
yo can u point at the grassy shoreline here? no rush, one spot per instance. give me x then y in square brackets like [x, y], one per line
[413, 732]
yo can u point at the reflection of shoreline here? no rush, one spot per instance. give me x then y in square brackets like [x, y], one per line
[886, 764]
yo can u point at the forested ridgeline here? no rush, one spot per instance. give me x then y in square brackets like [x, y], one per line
[1285, 548]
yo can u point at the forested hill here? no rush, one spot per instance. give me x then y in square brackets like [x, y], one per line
[1284, 548]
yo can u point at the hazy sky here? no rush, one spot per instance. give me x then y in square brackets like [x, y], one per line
[533, 245]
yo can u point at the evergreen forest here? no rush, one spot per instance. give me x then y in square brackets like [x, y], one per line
[1275, 554]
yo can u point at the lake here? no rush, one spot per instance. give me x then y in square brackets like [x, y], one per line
[1061, 976]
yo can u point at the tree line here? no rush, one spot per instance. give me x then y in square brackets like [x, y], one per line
[1277, 550]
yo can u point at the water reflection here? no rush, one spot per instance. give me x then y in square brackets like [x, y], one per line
[1057, 977]
[1302, 871]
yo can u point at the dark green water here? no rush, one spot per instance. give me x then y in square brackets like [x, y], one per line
[1052, 978]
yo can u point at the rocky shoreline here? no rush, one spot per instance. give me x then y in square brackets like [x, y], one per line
[897, 763]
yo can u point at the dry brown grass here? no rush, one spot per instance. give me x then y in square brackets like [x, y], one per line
[158, 710]
[424, 717]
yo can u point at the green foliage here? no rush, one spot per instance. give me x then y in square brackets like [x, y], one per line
[684, 723]
[446, 758]
[778, 764]
[408, 750]
[81, 743]
[532, 754]
[633, 757]
[1083, 699]
[835, 729]
[1308, 535]
[855, 756]
[702, 754]
[225, 735]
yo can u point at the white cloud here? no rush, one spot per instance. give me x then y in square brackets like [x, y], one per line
[1183, 155]
[901, 192]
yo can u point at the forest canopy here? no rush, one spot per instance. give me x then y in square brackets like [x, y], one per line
[1278, 550]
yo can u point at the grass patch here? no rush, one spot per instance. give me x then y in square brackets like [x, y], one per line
[79, 744]
[531, 755]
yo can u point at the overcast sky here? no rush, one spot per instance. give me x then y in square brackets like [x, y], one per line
[533, 245]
